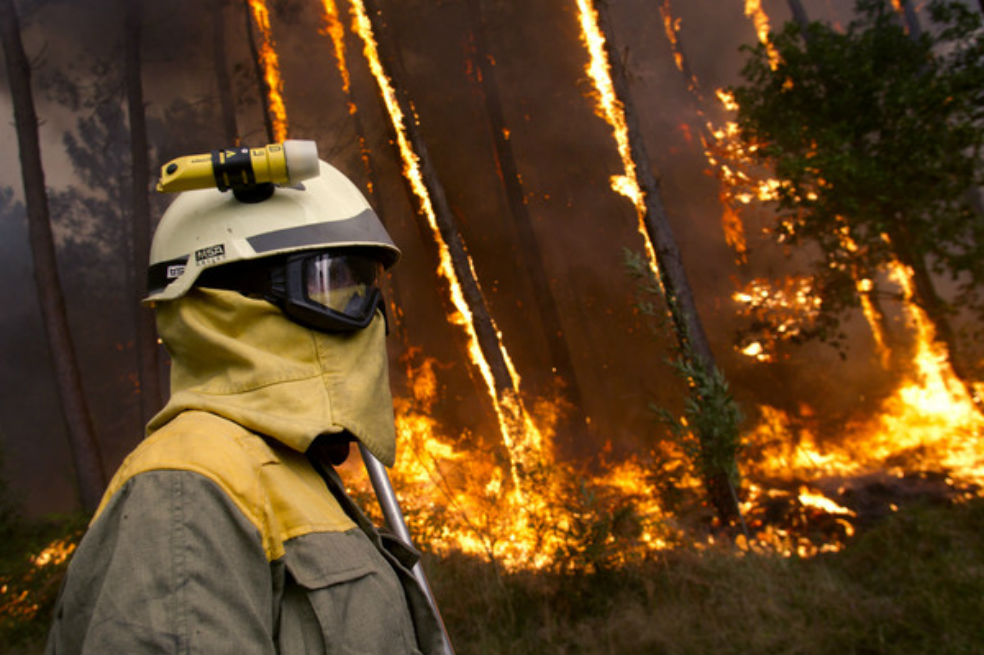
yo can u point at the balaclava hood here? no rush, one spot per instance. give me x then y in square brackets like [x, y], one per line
[242, 359]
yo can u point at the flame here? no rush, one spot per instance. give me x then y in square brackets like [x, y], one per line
[753, 9]
[271, 70]
[519, 433]
[610, 108]
[54, 553]
[788, 307]
[672, 28]
[17, 597]
[479, 514]
[458, 499]
[336, 31]
[734, 230]
[818, 500]
[929, 423]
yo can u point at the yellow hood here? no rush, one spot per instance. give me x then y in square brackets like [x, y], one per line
[240, 358]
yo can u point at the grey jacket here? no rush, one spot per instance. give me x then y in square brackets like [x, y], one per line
[213, 539]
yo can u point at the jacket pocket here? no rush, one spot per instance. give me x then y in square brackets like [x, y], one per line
[341, 589]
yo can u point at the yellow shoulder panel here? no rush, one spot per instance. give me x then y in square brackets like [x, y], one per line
[273, 486]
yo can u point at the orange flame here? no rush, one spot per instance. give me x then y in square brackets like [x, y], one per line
[672, 28]
[334, 29]
[481, 513]
[610, 108]
[480, 516]
[271, 70]
[753, 9]
[519, 433]
[17, 598]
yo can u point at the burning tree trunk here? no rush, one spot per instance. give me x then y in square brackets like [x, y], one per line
[146, 337]
[337, 32]
[81, 436]
[521, 439]
[694, 347]
[258, 67]
[226, 103]
[532, 259]
[927, 298]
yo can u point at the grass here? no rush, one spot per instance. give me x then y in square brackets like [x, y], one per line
[914, 583]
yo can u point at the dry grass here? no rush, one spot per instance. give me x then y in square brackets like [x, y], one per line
[913, 584]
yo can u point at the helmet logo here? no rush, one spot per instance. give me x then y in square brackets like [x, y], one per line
[175, 271]
[210, 255]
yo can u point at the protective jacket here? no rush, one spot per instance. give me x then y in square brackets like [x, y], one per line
[219, 533]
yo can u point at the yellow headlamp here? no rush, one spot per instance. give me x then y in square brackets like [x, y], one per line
[242, 169]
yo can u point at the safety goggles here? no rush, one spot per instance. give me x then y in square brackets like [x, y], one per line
[330, 291]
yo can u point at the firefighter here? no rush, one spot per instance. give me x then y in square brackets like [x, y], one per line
[227, 530]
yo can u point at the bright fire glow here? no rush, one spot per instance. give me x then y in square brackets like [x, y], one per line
[672, 28]
[336, 31]
[458, 498]
[271, 70]
[17, 597]
[753, 9]
[610, 108]
[520, 435]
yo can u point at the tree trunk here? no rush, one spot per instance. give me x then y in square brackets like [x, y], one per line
[260, 77]
[349, 83]
[799, 15]
[226, 105]
[926, 297]
[446, 222]
[686, 321]
[509, 407]
[148, 370]
[911, 20]
[574, 428]
[81, 435]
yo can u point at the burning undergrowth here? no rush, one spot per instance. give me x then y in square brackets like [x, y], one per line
[805, 491]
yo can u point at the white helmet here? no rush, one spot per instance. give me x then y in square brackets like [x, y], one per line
[326, 217]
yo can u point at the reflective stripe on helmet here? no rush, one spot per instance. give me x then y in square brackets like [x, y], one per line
[355, 230]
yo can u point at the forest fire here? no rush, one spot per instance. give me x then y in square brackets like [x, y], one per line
[526, 508]
[336, 31]
[753, 9]
[608, 107]
[520, 434]
[271, 70]
[18, 596]
[459, 502]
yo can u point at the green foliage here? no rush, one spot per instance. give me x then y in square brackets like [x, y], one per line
[28, 587]
[602, 530]
[912, 584]
[872, 133]
[711, 412]
[709, 429]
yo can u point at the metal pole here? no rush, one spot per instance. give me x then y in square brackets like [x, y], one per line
[394, 519]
